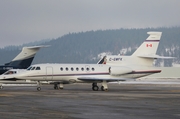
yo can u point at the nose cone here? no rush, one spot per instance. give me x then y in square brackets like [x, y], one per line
[2, 77]
[6, 77]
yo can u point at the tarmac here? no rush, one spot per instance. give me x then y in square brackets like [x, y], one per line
[78, 101]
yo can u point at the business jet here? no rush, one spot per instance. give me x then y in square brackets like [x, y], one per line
[22, 61]
[139, 64]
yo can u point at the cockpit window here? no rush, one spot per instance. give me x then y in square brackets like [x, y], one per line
[33, 68]
[10, 72]
[29, 68]
[38, 68]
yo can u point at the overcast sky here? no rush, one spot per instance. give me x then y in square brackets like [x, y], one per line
[23, 21]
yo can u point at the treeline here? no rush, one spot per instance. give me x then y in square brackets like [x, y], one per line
[84, 47]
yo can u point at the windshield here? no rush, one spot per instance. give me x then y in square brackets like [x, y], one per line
[33, 68]
[29, 68]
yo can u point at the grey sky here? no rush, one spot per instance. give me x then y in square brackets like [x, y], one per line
[23, 21]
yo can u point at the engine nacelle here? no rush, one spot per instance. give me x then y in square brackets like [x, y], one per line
[117, 71]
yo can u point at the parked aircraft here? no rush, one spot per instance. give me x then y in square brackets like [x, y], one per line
[23, 60]
[137, 65]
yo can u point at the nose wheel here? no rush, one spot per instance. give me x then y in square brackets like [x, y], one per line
[38, 88]
[1, 87]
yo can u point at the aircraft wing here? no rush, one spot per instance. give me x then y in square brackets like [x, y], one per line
[103, 79]
[16, 82]
[148, 82]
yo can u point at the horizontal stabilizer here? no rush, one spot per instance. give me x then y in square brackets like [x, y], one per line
[155, 57]
[41, 46]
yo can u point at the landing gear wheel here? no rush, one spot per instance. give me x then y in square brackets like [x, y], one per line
[102, 88]
[95, 88]
[94, 84]
[38, 88]
[56, 86]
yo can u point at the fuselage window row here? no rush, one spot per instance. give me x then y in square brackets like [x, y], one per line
[76, 69]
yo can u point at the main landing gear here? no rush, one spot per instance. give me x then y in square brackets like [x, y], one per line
[58, 86]
[95, 87]
[104, 86]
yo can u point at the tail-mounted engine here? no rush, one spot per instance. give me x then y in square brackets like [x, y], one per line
[117, 71]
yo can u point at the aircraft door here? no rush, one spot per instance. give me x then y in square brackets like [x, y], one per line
[49, 73]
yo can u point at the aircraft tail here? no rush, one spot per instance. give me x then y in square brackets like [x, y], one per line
[144, 55]
[149, 46]
[24, 59]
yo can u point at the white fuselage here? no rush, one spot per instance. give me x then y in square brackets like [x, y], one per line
[71, 73]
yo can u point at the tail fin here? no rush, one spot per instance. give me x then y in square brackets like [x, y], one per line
[25, 57]
[150, 45]
[144, 55]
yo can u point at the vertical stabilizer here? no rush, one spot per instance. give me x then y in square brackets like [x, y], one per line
[144, 55]
[150, 45]
[25, 57]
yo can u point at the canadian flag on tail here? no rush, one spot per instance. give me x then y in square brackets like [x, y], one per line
[148, 45]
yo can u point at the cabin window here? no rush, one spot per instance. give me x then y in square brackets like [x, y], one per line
[93, 69]
[87, 69]
[82, 69]
[61, 69]
[38, 68]
[72, 69]
[77, 69]
[66, 69]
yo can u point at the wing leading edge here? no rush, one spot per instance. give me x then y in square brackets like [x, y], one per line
[95, 79]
